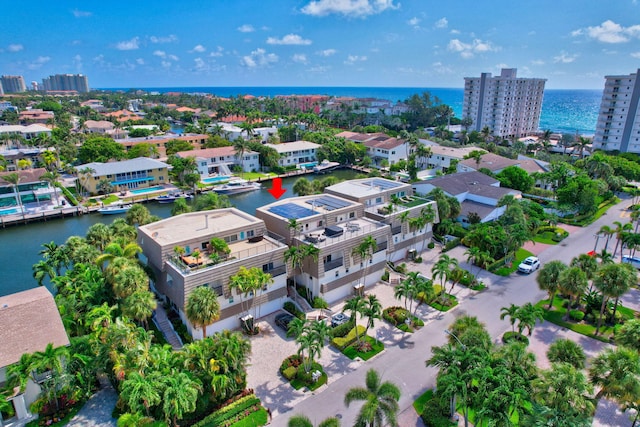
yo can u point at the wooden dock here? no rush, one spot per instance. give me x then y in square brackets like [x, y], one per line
[42, 216]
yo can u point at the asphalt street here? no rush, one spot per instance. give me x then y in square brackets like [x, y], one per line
[405, 365]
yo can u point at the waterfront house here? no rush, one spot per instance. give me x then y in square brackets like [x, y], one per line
[380, 146]
[335, 226]
[295, 153]
[140, 172]
[392, 203]
[98, 126]
[221, 160]
[197, 141]
[31, 188]
[477, 193]
[30, 321]
[29, 133]
[35, 116]
[442, 157]
[179, 252]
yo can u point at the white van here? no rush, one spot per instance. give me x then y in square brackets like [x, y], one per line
[634, 261]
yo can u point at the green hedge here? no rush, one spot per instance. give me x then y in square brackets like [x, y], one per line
[342, 330]
[291, 308]
[68, 194]
[576, 315]
[231, 413]
[350, 338]
[290, 373]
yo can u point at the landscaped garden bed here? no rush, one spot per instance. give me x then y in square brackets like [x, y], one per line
[550, 235]
[365, 350]
[507, 269]
[442, 302]
[398, 317]
[245, 410]
[292, 368]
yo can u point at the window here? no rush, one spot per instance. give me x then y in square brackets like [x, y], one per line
[232, 238]
[250, 233]
[352, 214]
[320, 223]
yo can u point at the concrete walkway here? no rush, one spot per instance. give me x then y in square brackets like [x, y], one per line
[97, 411]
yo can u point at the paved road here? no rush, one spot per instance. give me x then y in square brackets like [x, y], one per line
[406, 366]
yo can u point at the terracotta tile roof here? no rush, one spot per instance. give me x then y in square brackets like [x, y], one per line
[211, 152]
[30, 320]
[384, 142]
[490, 161]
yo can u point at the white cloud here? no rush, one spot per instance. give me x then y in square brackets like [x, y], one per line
[319, 69]
[218, 52]
[164, 55]
[38, 63]
[289, 39]
[165, 64]
[259, 58]
[442, 23]
[635, 55]
[440, 68]
[163, 39]
[15, 47]
[565, 58]
[468, 50]
[77, 62]
[198, 48]
[349, 8]
[140, 61]
[99, 59]
[132, 44]
[352, 59]
[455, 31]
[414, 22]
[299, 58]
[81, 13]
[609, 32]
[199, 64]
[327, 52]
[537, 62]
[246, 28]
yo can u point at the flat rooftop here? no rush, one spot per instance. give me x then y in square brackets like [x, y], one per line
[305, 207]
[353, 228]
[196, 224]
[367, 187]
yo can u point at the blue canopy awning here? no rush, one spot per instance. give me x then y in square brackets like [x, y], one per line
[129, 181]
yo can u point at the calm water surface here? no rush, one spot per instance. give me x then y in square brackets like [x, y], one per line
[20, 245]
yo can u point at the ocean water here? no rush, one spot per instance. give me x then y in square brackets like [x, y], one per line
[563, 110]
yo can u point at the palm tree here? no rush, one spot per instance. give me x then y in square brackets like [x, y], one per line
[14, 179]
[607, 232]
[41, 270]
[582, 144]
[51, 177]
[565, 389]
[381, 402]
[565, 350]
[51, 362]
[428, 215]
[241, 145]
[573, 282]
[139, 306]
[527, 316]
[365, 251]
[304, 421]
[179, 396]
[406, 289]
[140, 392]
[372, 310]
[613, 280]
[629, 334]
[586, 263]
[511, 312]
[355, 306]
[549, 278]
[616, 371]
[619, 232]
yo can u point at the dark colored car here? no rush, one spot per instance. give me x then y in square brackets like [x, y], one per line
[283, 320]
[338, 319]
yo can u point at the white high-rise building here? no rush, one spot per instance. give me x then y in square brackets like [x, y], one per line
[618, 126]
[508, 105]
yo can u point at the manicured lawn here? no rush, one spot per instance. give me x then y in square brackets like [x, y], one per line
[376, 347]
[258, 418]
[298, 384]
[557, 313]
[419, 403]
[453, 301]
[256, 175]
[521, 254]
[583, 221]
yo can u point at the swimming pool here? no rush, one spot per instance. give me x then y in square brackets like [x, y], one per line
[147, 190]
[9, 211]
[308, 165]
[216, 179]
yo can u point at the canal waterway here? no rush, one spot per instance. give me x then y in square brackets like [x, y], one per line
[20, 245]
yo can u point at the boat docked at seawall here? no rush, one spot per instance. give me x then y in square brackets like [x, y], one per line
[172, 197]
[114, 209]
[237, 186]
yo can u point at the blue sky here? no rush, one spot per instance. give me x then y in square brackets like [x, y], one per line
[396, 43]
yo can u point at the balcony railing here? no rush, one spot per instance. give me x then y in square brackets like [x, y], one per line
[381, 246]
[277, 271]
[330, 265]
[396, 230]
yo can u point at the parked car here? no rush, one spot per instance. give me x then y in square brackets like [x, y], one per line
[338, 319]
[634, 261]
[283, 320]
[529, 265]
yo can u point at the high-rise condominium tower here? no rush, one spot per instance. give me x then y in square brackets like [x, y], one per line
[13, 84]
[618, 126]
[509, 106]
[66, 82]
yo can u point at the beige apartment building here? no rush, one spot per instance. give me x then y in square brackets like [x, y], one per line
[170, 246]
[335, 226]
[392, 203]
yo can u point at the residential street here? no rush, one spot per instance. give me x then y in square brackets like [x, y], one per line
[405, 364]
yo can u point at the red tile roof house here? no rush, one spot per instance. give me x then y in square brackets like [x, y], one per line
[30, 321]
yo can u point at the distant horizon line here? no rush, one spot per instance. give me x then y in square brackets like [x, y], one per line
[319, 87]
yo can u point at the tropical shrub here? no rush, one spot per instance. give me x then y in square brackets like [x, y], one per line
[395, 315]
[576, 315]
[514, 336]
[291, 308]
[431, 245]
[294, 361]
[232, 413]
[290, 372]
[342, 330]
[350, 338]
[319, 302]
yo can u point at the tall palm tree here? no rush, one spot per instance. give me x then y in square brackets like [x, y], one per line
[179, 396]
[139, 306]
[141, 392]
[428, 215]
[202, 308]
[365, 251]
[565, 389]
[51, 361]
[381, 402]
[51, 177]
[619, 232]
[616, 371]
[14, 179]
[372, 310]
[573, 282]
[606, 232]
[549, 278]
[613, 280]
[355, 306]
[511, 312]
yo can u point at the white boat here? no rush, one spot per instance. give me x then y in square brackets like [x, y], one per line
[325, 166]
[114, 209]
[172, 197]
[237, 186]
